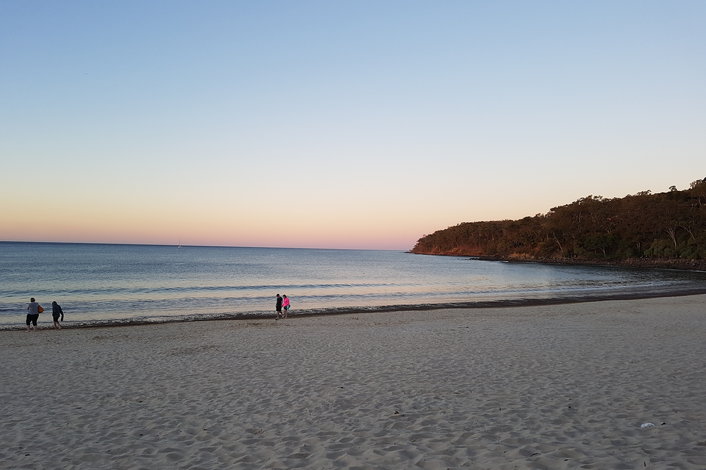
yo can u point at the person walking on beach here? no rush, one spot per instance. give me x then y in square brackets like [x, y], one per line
[33, 311]
[56, 311]
[285, 305]
[278, 307]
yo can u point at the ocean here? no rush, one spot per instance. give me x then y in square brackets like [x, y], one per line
[123, 284]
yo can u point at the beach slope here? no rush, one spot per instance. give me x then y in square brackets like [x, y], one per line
[612, 384]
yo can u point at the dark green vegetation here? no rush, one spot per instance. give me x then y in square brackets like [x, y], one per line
[663, 229]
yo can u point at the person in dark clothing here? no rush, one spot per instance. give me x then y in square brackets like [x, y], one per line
[278, 307]
[57, 312]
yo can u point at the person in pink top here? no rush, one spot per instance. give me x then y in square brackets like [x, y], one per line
[285, 305]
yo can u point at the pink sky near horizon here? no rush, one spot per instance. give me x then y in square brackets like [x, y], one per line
[44, 220]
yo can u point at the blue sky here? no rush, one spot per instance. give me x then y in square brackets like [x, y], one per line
[361, 124]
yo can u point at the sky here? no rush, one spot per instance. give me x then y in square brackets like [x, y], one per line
[360, 124]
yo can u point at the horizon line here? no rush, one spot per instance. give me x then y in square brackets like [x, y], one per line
[179, 245]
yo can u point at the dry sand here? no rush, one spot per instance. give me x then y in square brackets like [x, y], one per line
[563, 386]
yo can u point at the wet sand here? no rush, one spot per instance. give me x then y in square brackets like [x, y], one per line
[613, 384]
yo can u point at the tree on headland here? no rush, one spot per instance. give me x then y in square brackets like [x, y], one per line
[668, 227]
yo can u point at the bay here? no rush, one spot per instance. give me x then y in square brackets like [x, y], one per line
[114, 284]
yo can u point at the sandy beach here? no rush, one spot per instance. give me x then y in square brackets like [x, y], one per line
[598, 385]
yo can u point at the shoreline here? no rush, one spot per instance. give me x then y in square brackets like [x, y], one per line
[471, 305]
[688, 265]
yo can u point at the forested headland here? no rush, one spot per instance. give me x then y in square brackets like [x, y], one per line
[662, 229]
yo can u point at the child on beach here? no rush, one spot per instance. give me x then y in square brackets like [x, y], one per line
[285, 305]
[56, 311]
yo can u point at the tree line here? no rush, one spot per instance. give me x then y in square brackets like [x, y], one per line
[663, 228]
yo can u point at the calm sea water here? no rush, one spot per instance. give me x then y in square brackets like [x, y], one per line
[120, 283]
